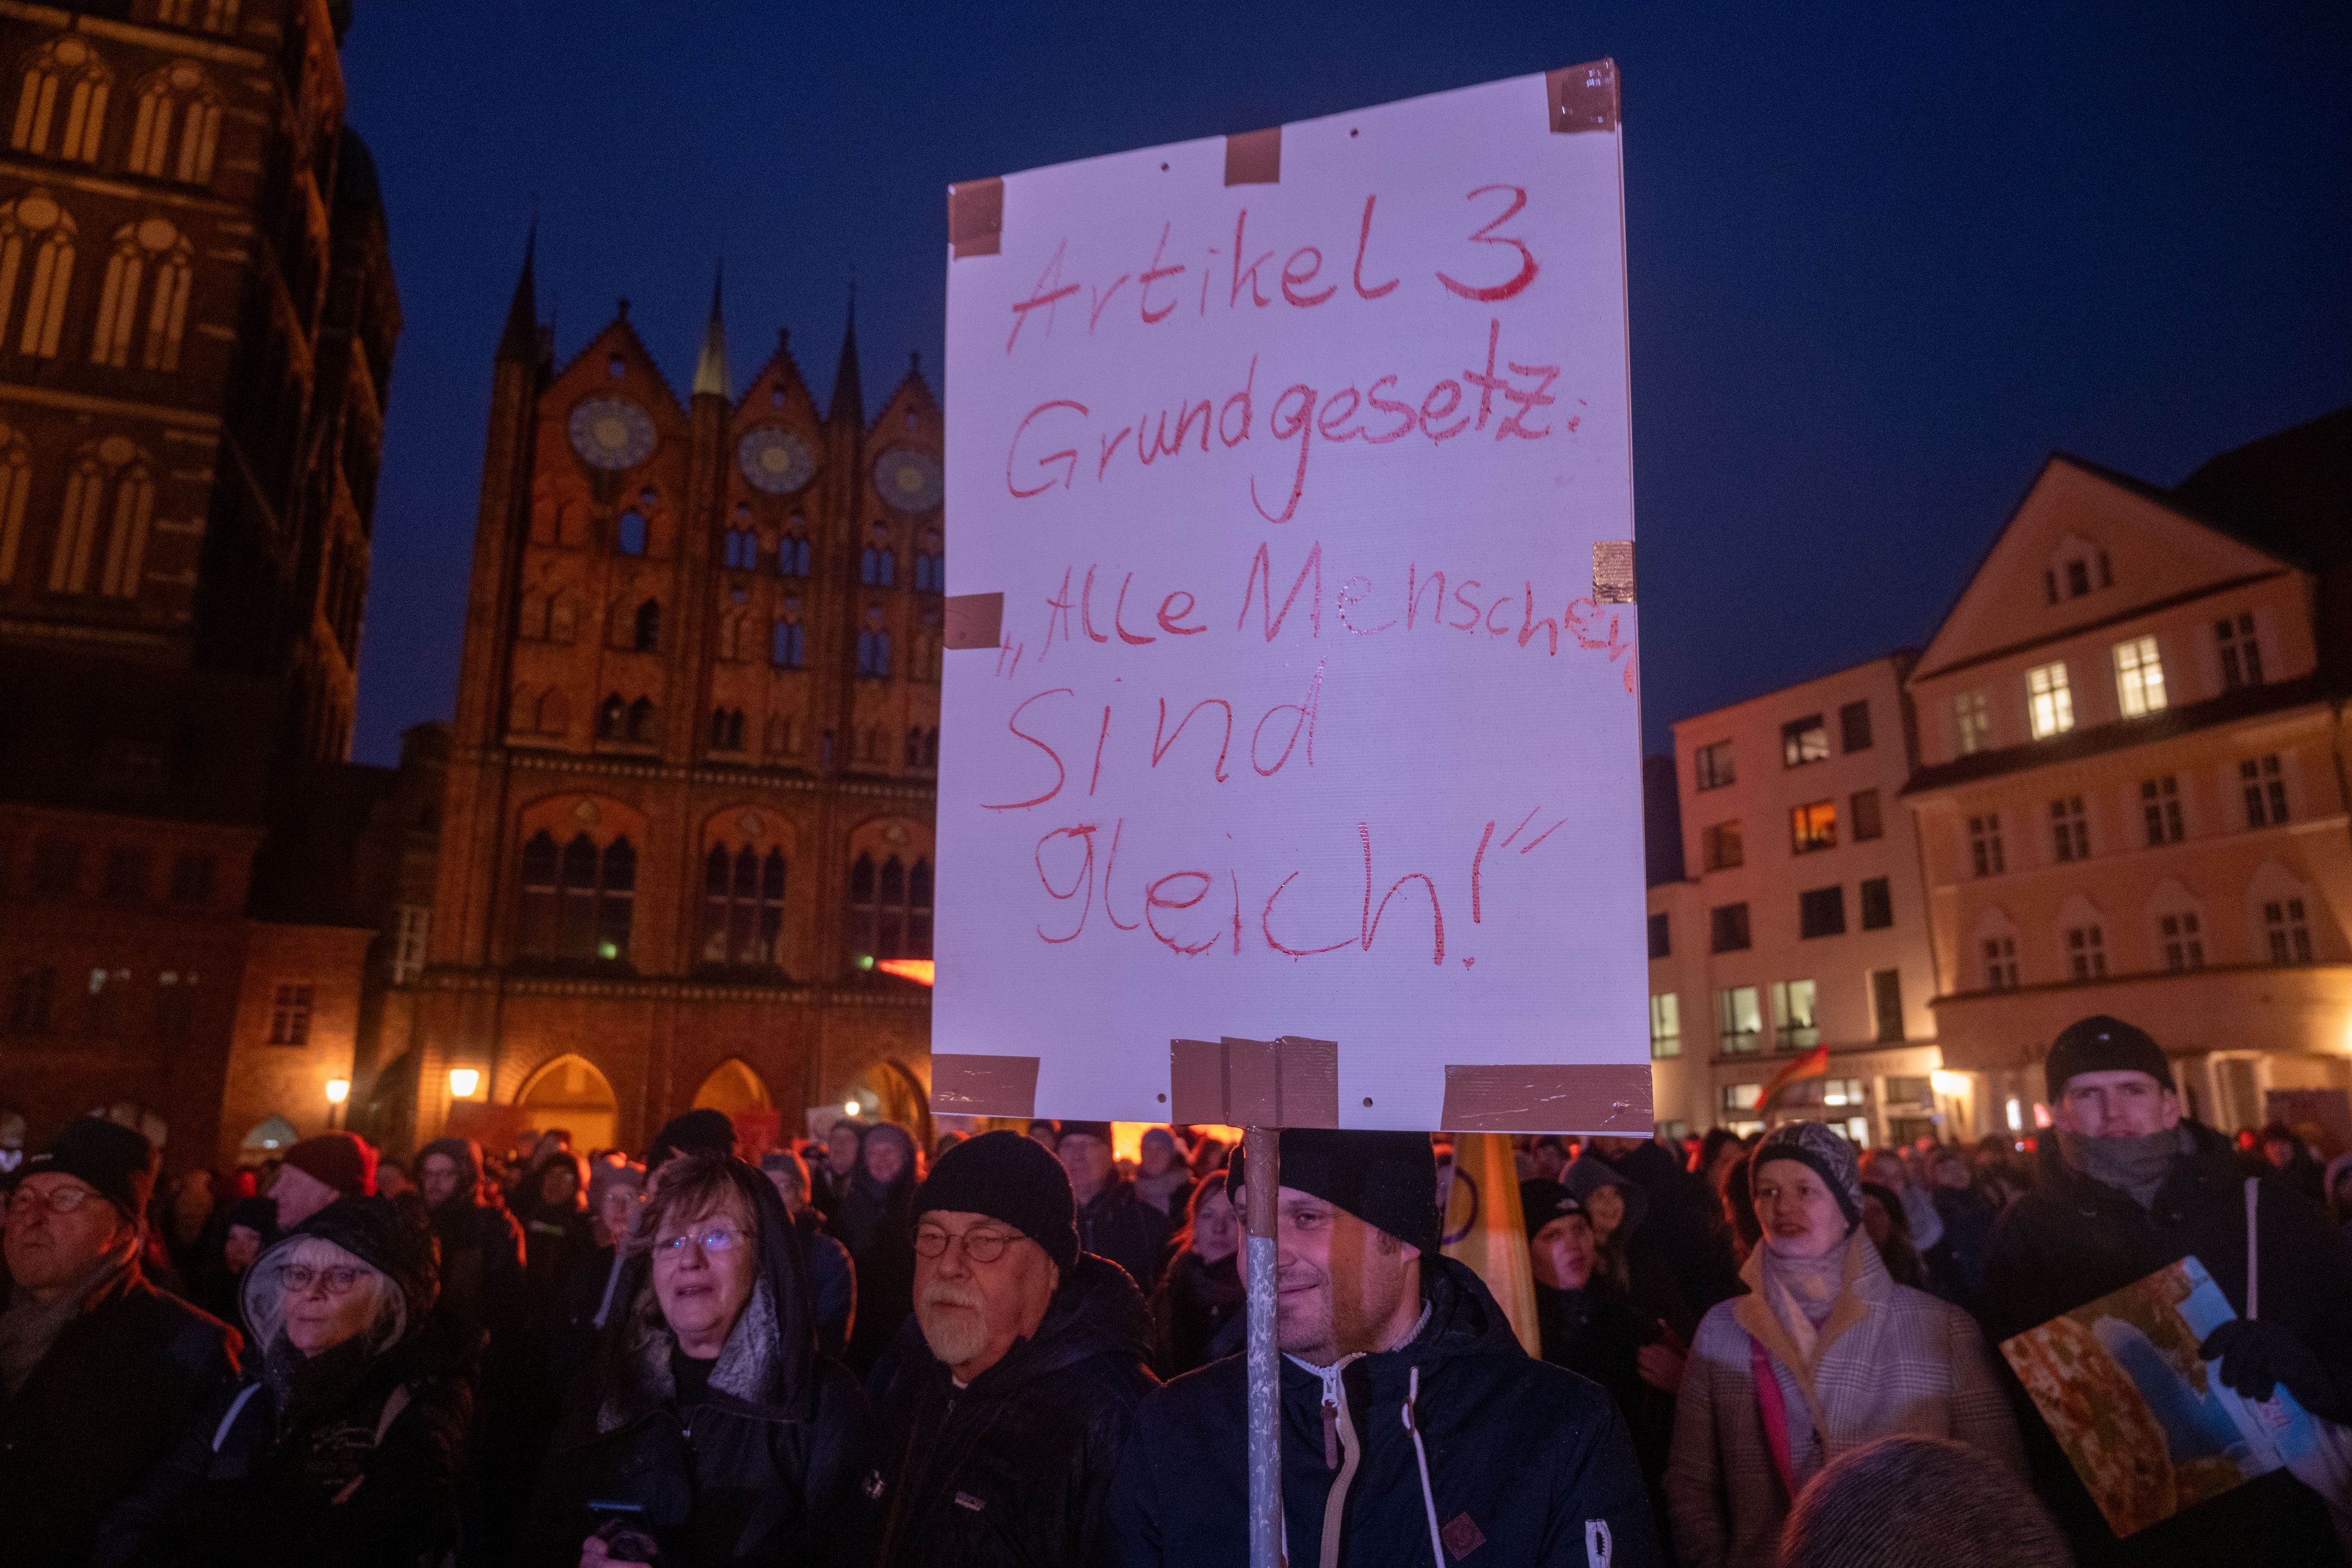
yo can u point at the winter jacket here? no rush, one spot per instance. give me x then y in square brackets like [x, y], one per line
[1016, 1468]
[106, 1402]
[350, 1458]
[832, 1283]
[1890, 1359]
[1121, 1227]
[2072, 1239]
[772, 1465]
[482, 1289]
[877, 1224]
[1684, 1230]
[1196, 1314]
[1527, 1463]
[1969, 1216]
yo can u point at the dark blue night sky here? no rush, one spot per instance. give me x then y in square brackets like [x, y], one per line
[1881, 262]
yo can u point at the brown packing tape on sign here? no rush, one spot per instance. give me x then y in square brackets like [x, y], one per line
[1253, 158]
[975, 219]
[1612, 571]
[1548, 1098]
[975, 619]
[1582, 98]
[964, 1085]
[1285, 1082]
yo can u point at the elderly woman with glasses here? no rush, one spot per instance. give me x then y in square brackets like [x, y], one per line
[341, 1444]
[706, 1428]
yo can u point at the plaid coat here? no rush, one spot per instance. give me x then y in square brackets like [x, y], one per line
[1891, 1359]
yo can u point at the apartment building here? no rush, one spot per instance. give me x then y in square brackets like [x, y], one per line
[1801, 919]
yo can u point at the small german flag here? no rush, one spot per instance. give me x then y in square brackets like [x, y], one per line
[1814, 1063]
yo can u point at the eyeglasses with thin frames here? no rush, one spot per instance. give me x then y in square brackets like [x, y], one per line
[980, 1246]
[718, 1238]
[298, 1278]
[56, 1199]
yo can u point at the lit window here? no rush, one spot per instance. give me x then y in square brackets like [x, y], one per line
[1720, 845]
[1737, 1019]
[1975, 720]
[64, 84]
[178, 99]
[2242, 656]
[2070, 833]
[1984, 843]
[1804, 741]
[1814, 827]
[2287, 931]
[2184, 945]
[1742, 1097]
[2160, 806]
[1666, 1026]
[2139, 677]
[1793, 1026]
[785, 646]
[740, 550]
[2266, 792]
[1713, 766]
[2086, 955]
[2051, 703]
[1841, 1092]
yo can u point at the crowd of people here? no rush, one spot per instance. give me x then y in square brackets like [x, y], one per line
[1018, 1348]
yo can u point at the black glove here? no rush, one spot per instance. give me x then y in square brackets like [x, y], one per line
[2256, 1357]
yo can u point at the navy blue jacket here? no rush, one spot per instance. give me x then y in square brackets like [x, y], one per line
[1529, 1465]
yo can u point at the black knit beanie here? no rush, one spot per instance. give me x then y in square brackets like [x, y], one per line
[1388, 1180]
[116, 1162]
[1010, 1177]
[1541, 1201]
[2102, 1044]
[702, 1131]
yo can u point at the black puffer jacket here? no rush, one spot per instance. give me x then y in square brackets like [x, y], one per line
[349, 1457]
[2073, 1239]
[1118, 1225]
[1529, 1465]
[772, 1465]
[1016, 1468]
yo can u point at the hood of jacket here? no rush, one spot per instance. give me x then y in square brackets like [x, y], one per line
[466, 1155]
[768, 1365]
[1096, 1311]
[386, 1237]
[1587, 1174]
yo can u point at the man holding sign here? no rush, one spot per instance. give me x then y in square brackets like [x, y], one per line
[1414, 1427]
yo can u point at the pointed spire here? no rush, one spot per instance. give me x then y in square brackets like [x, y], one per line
[710, 370]
[520, 339]
[848, 395]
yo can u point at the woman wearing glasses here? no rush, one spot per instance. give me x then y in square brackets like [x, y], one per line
[706, 1429]
[340, 1443]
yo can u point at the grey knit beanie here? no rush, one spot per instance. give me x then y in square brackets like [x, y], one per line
[1817, 1145]
[1918, 1502]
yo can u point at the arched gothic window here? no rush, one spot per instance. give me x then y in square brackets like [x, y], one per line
[647, 629]
[874, 654]
[878, 566]
[641, 719]
[16, 488]
[930, 567]
[890, 908]
[793, 552]
[612, 718]
[786, 645]
[578, 901]
[65, 86]
[154, 246]
[727, 729]
[176, 99]
[37, 238]
[741, 549]
[629, 535]
[108, 481]
[742, 907]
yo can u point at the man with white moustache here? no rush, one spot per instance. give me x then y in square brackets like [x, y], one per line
[1006, 1401]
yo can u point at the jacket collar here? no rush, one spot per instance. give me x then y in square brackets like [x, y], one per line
[1865, 1285]
[749, 1370]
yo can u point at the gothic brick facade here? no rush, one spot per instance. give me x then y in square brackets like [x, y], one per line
[691, 782]
[197, 317]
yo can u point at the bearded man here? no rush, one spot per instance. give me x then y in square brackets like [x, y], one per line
[1006, 1402]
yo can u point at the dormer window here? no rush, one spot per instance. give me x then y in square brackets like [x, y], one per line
[2077, 568]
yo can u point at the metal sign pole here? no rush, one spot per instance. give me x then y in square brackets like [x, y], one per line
[1262, 1149]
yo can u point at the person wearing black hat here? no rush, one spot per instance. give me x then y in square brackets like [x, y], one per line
[2129, 1185]
[1414, 1427]
[1114, 1221]
[340, 1443]
[99, 1369]
[1006, 1401]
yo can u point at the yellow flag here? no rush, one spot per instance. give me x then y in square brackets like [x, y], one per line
[1483, 1229]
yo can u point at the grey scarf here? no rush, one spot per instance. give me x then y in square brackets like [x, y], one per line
[29, 1328]
[2135, 1167]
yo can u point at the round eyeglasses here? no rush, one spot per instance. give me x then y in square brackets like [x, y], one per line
[718, 1238]
[298, 1278]
[980, 1246]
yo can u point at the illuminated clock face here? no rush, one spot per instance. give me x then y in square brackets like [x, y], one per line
[612, 434]
[775, 461]
[909, 480]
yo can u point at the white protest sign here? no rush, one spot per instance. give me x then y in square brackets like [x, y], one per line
[1301, 461]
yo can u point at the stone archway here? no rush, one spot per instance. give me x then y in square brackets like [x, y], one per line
[734, 1088]
[269, 1139]
[888, 1091]
[572, 1093]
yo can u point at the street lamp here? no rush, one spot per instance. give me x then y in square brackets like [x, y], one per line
[337, 1091]
[463, 1082]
